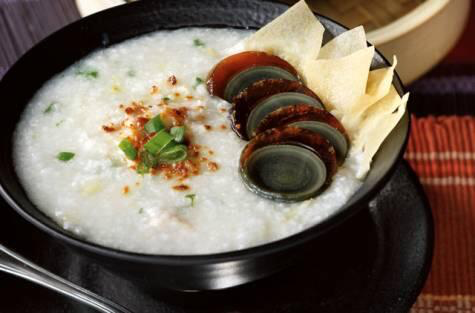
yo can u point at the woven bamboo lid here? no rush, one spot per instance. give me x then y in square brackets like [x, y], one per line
[372, 14]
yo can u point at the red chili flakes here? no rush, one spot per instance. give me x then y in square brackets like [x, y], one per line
[138, 137]
[223, 127]
[189, 97]
[155, 89]
[194, 168]
[135, 108]
[213, 166]
[109, 128]
[180, 170]
[194, 150]
[172, 80]
[177, 94]
[181, 187]
[125, 190]
[208, 127]
[175, 117]
[223, 110]
[141, 121]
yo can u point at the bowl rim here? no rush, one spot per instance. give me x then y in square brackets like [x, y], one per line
[261, 250]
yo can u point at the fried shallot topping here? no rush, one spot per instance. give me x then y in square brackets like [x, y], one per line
[162, 144]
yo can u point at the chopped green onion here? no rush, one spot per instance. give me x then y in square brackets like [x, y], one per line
[140, 210]
[178, 133]
[198, 43]
[128, 148]
[158, 142]
[88, 73]
[65, 156]
[148, 159]
[173, 154]
[166, 99]
[198, 81]
[142, 168]
[131, 73]
[154, 125]
[50, 107]
[192, 198]
[59, 123]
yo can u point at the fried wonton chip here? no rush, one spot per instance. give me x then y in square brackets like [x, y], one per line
[378, 122]
[340, 83]
[365, 101]
[344, 44]
[295, 36]
[377, 86]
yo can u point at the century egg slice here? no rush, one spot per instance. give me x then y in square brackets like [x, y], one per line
[268, 172]
[227, 68]
[334, 136]
[311, 118]
[275, 102]
[284, 172]
[243, 79]
[257, 92]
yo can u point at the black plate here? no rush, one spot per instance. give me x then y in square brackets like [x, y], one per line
[375, 263]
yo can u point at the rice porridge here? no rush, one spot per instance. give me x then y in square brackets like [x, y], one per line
[67, 156]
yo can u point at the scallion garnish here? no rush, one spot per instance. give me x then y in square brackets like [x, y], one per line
[88, 73]
[154, 125]
[128, 148]
[148, 159]
[131, 73]
[141, 211]
[173, 154]
[50, 107]
[158, 142]
[198, 43]
[178, 133]
[142, 168]
[198, 81]
[65, 156]
[192, 198]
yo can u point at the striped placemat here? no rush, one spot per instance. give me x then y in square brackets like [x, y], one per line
[441, 150]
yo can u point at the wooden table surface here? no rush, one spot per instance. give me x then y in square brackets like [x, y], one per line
[25, 22]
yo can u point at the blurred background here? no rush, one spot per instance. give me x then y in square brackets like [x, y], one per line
[421, 33]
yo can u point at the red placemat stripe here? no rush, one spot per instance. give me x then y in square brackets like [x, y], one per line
[436, 303]
[441, 150]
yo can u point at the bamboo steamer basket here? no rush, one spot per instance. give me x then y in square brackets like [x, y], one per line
[419, 32]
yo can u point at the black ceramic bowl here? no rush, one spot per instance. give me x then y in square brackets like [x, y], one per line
[200, 272]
